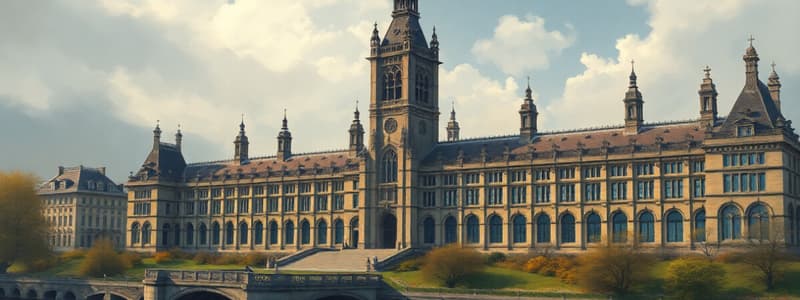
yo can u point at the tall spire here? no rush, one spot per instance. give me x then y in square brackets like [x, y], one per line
[241, 145]
[453, 130]
[178, 138]
[157, 134]
[356, 133]
[528, 116]
[751, 64]
[284, 140]
[634, 105]
[708, 99]
[774, 86]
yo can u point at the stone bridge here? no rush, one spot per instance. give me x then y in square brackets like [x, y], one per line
[13, 287]
[201, 285]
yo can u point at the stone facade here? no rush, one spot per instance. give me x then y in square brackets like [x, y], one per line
[657, 185]
[81, 205]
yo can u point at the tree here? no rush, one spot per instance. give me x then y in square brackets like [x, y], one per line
[709, 249]
[450, 265]
[766, 253]
[694, 278]
[612, 268]
[23, 230]
[103, 260]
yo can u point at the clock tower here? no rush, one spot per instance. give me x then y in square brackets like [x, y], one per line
[404, 119]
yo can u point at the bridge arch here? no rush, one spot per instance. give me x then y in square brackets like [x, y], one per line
[334, 295]
[69, 296]
[2, 293]
[16, 293]
[101, 296]
[32, 294]
[50, 295]
[202, 294]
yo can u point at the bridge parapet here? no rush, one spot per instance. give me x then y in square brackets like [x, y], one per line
[263, 281]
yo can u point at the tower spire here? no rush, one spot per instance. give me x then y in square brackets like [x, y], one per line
[774, 86]
[528, 116]
[634, 105]
[356, 133]
[284, 140]
[751, 64]
[453, 130]
[157, 134]
[708, 99]
[241, 145]
[178, 138]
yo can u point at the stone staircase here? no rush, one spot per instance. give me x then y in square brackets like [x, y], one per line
[348, 260]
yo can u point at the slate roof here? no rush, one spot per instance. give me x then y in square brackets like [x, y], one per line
[398, 28]
[80, 179]
[296, 165]
[675, 135]
[755, 105]
[164, 162]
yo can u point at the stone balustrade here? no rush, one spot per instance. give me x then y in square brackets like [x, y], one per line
[265, 281]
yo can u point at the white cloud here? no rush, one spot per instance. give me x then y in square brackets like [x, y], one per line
[521, 45]
[684, 37]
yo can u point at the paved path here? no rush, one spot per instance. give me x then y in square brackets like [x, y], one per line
[350, 260]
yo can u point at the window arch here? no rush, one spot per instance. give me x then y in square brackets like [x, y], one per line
[593, 228]
[473, 232]
[258, 233]
[393, 83]
[322, 232]
[229, 233]
[495, 229]
[619, 230]
[146, 233]
[177, 236]
[243, 233]
[273, 232]
[389, 167]
[731, 223]
[429, 231]
[305, 232]
[288, 233]
[450, 230]
[758, 223]
[134, 233]
[520, 229]
[646, 227]
[215, 233]
[203, 234]
[165, 234]
[422, 86]
[338, 231]
[543, 228]
[700, 226]
[674, 227]
[189, 234]
[567, 228]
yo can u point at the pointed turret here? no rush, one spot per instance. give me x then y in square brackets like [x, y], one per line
[157, 134]
[708, 99]
[405, 28]
[435, 42]
[528, 116]
[178, 138]
[284, 140]
[453, 129]
[242, 145]
[774, 85]
[633, 105]
[375, 41]
[356, 133]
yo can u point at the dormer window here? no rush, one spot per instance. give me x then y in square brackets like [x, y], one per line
[746, 130]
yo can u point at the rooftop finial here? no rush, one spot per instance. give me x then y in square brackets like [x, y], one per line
[751, 39]
[285, 122]
[707, 71]
[633, 62]
[179, 127]
[773, 66]
[357, 114]
[633, 75]
[528, 91]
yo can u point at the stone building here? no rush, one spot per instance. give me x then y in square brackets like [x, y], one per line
[80, 205]
[666, 185]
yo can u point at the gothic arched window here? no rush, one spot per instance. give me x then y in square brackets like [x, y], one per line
[646, 229]
[165, 234]
[338, 231]
[520, 230]
[288, 233]
[674, 227]
[731, 220]
[495, 229]
[134, 233]
[203, 234]
[620, 229]
[473, 232]
[229, 233]
[389, 167]
[450, 230]
[215, 232]
[593, 228]
[567, 229]
[429, 231]
[543, 229]
[189, 234]
[243, 233]
[758, 223]
[393, 83]
[273, 233]
[305, 232]
[700, 226]
[258, 233]
[422, 86]
[322, 232]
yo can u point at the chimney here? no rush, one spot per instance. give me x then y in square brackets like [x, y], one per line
[102, 170]
[60, 170]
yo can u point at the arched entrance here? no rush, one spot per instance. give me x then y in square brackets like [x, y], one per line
[389, 231]
[203, 295]
[354, 233]
[50, 295]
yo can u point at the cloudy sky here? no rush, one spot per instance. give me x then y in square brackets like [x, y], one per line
[83, 82]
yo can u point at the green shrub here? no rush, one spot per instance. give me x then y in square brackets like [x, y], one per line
[535, 264]
[729, 257]
[693, 278]
[162, 257]
[102, 260]
[256, 259]
[131, 259]
[450, 265]
[495, 257]
[229, 259]
[204, 258]
[177, 253]
[612, 268]
[73, 254]
[413, 264]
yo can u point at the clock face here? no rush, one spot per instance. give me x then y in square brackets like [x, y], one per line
[390, 125]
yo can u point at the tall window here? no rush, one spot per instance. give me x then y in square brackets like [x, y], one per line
[389, 167]
[165, 234]
[305, 233]
[567, 229]
[134, 233]
[674, 227]
[322, 232]
[392, 83]
[429, 231]
[700, 226]
[203, 234]
[620, 228]
[258, 233]
[593, 228]
[215, 232]
[229, 233]
[189, 234]
[450, 230]
[338, 231]
[520, 231]
[646, 229]
[543, 229]
[495, 229]
[243, 233]
[473, 232]
[758, 223]
[288, 233]
[273, 233]
[731, 220]
[422, 86]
